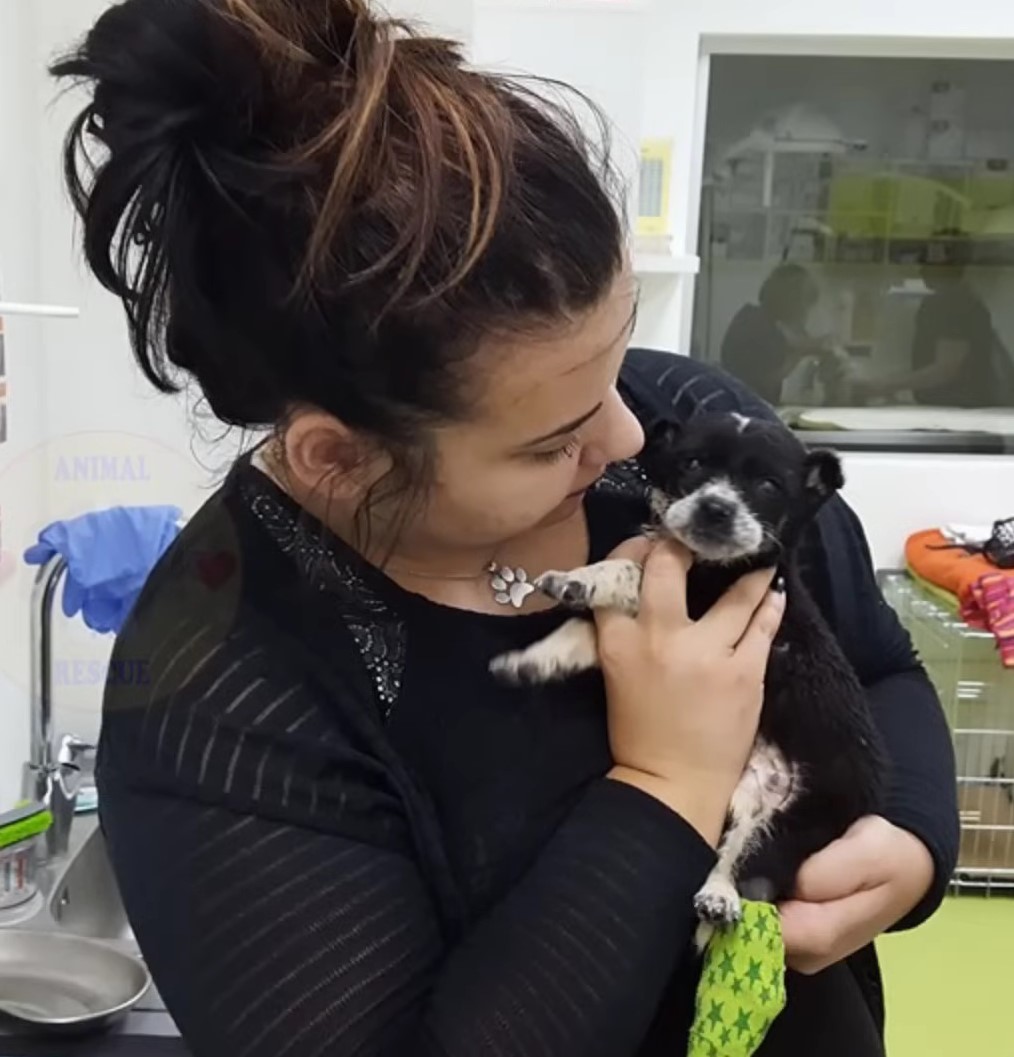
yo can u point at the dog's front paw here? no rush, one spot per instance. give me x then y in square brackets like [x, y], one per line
[528, 667]
[718, 903]
[514, 668]
[564, 588]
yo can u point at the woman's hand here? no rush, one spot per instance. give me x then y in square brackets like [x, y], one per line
[685, 696]
[852, 891]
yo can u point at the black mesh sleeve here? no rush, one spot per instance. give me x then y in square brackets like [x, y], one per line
[267, 939]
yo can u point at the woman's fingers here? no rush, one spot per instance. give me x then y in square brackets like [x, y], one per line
[755, 645]
[635, 549]
[746, 618]
[664, 588]
[615, 621]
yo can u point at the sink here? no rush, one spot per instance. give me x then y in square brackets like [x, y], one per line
[79, 896]
[78, 893]
[86, 900]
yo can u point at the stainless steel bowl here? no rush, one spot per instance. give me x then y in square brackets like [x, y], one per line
[66, 983]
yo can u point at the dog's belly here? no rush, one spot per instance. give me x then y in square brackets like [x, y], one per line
[817, 717]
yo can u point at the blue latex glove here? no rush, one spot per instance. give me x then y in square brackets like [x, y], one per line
[109, 554]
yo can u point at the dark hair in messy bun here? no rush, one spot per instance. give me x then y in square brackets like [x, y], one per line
[300, 202]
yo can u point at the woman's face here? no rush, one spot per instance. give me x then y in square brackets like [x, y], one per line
[547, 422]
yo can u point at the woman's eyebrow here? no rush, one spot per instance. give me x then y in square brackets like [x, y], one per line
[627, 330]
[565, 429]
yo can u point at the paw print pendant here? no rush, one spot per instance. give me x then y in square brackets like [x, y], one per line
[510, 586]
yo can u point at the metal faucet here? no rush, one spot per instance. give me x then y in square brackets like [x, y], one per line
[52, 776]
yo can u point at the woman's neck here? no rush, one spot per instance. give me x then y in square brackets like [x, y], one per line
[454, 574]
[463, 578]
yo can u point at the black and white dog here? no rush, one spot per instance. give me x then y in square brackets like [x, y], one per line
[738, 492]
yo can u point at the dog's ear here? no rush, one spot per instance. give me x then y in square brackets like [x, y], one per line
[659, 439]
[822, 475]
[662, 434]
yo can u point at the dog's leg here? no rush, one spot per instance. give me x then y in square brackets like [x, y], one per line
[768, 786]
[611, 584]
[573, 647]
[570, 649]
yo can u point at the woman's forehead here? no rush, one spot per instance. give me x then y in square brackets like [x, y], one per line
[527, 376]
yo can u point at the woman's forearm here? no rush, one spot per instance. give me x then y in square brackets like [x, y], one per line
[922, 797]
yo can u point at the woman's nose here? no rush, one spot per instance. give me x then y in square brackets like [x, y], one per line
[620, 435]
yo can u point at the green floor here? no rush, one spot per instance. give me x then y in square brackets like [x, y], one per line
[950, 984]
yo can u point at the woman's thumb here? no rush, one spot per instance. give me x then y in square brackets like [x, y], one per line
[635, 549]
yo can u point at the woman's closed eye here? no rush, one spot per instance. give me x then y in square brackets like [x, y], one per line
[564, 451]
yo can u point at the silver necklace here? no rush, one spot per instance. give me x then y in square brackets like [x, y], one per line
[509, 584]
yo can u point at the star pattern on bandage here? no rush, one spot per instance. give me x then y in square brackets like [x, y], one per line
[742, 988]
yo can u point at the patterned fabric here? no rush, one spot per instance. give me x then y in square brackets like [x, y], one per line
[378, 632]
[742, 987]
[989, 605]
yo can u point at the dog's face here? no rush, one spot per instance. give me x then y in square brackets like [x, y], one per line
[733, 489]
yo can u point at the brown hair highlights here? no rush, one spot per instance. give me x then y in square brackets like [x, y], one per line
[300, 202]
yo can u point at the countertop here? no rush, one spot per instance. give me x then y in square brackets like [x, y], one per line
[141, 1034]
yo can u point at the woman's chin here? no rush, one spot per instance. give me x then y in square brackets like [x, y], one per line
[566, 510]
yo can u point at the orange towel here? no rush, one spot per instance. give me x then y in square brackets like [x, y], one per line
[954, 570]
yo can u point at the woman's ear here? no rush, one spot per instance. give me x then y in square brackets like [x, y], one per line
[321, 453]
[822, 475]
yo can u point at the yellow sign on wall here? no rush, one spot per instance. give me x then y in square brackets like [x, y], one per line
[653, 187]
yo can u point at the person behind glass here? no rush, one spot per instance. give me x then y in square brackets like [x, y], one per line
[767, 341]
[334, 831]
[954, 347]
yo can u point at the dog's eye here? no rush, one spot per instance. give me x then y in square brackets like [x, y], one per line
[769, 486]
[692, 465]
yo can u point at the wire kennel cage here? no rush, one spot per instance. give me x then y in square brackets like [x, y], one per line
[978, 697]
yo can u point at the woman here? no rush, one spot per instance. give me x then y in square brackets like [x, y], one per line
[767, 341]
[335, 833]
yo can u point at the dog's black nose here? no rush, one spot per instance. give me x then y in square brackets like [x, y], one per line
[713, 510]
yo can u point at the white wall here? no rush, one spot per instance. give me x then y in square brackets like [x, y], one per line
[73, 388]
[602, 59]
[454, 19]
[19, 277]
[896, 495]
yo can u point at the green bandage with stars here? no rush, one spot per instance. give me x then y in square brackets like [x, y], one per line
[742, 988]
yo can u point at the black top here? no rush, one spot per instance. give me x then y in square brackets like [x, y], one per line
[757, 352]
[335, 834]
[955, 313]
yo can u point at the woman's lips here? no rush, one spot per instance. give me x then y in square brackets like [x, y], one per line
[581, 491]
